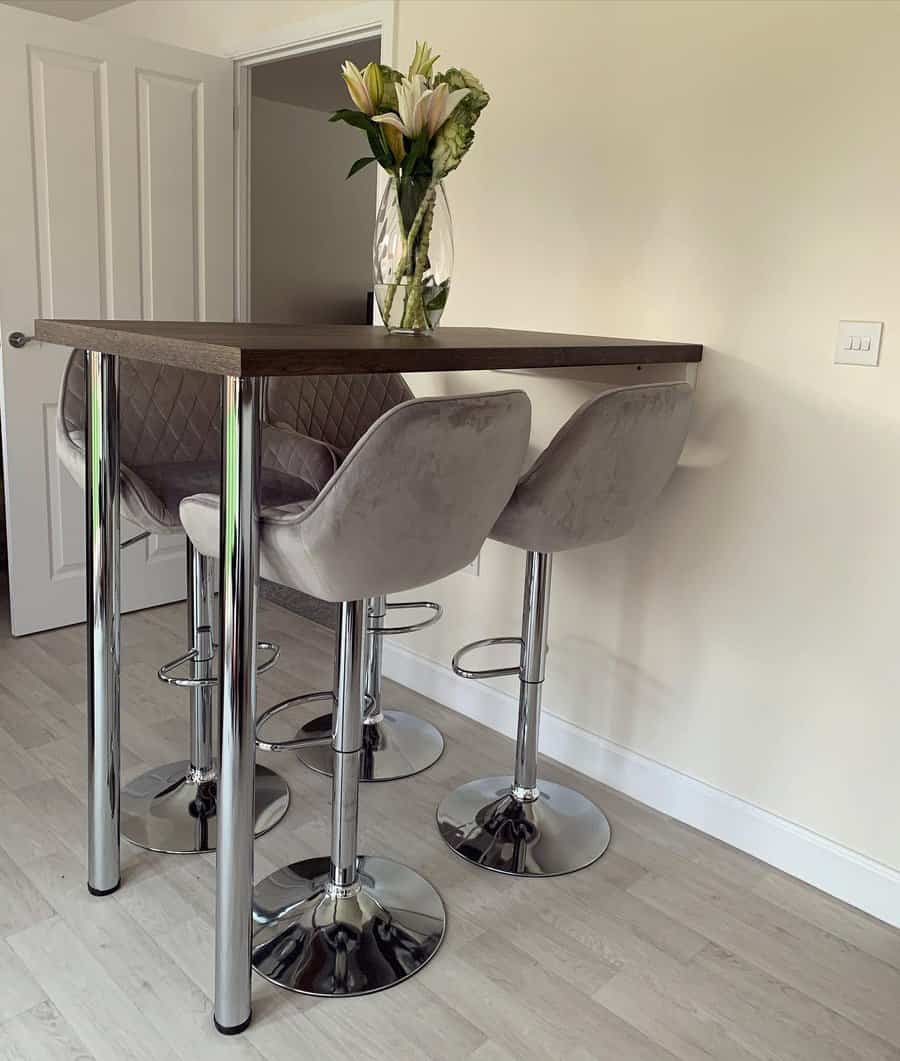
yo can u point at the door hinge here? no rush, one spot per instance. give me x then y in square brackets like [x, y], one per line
[236, 112]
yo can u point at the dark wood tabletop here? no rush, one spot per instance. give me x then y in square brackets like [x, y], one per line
[298, 350]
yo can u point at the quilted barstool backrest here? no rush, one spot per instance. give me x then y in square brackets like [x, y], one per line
[337, 410]
[604, 468]
[166, 414]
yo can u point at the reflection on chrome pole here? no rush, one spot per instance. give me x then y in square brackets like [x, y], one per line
[103, 607]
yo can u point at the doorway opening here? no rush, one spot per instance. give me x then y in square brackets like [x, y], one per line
[307, 229]
[310, 230]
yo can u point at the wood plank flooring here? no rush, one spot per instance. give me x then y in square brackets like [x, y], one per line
[672, 946]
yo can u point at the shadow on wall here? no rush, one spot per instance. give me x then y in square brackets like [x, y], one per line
[619, 584]
[668, 548]
[742, 613]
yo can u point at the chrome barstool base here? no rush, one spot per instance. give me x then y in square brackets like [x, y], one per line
[559, 832]
[310, 940]
[399, 745]
[167, 811]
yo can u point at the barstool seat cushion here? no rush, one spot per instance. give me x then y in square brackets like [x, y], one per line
[170, 443]
[601, 471]
[151, 493]
[411, 503]
[167, 485]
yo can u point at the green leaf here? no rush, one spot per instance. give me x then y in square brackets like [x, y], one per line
[455, 136]
[354, 118]
[359, 164]
[380, 150]
[435, 298]
[391, 79]
[417, 149]
[362, 121]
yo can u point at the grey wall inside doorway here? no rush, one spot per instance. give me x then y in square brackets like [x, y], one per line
[310, 228]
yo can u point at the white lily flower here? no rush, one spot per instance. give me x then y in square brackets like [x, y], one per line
[443, 103]
[421, 107]
[356, 86]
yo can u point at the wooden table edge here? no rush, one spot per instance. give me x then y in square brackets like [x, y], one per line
[400, 354]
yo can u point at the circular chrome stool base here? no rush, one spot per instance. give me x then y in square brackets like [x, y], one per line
[311, 941]
[162, 810]
[559, 832]
[399, 745]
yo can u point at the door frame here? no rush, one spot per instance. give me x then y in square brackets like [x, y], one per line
[376, 18]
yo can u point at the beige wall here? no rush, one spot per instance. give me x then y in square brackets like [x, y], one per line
[311, 240]
[721, 172]
[725, 172]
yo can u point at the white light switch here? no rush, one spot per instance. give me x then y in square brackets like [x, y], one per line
[858, 343]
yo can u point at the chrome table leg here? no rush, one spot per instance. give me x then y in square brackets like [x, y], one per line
[395, 744]
[238, 588]
[517, 824]
[103, 609]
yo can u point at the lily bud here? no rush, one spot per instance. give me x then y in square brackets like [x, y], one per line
[374, 83]
[357, 88]
[395, 142]
[423, 61]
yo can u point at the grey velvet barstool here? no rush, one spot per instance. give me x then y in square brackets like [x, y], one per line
[601, 472]
[169, 426]
[412, 502]
[337, 411]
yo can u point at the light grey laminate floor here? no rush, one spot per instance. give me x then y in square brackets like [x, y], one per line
[673, 945]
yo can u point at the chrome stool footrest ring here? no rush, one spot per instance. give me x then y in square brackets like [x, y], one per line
[432, 606]
[165, 672]
[297, 742]
[492, 672]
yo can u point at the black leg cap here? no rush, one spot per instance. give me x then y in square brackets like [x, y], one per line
[236, 1030]
[104, 891]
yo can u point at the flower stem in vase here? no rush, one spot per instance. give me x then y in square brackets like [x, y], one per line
[414, 314]
[425, 207]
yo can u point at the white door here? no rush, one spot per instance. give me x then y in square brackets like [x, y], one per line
[116, 200]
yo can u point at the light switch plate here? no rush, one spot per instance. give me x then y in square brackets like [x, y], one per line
[858, 343]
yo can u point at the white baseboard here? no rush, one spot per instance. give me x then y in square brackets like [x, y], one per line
[860, 881]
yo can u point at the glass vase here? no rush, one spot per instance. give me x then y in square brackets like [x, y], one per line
[413, 255]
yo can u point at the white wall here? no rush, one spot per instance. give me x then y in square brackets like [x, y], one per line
[223, 27]
[721, 172]
[311, 239]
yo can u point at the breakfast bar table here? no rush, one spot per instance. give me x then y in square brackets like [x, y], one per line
[244, 354]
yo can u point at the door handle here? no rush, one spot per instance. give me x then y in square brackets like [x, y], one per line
[19, 339]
